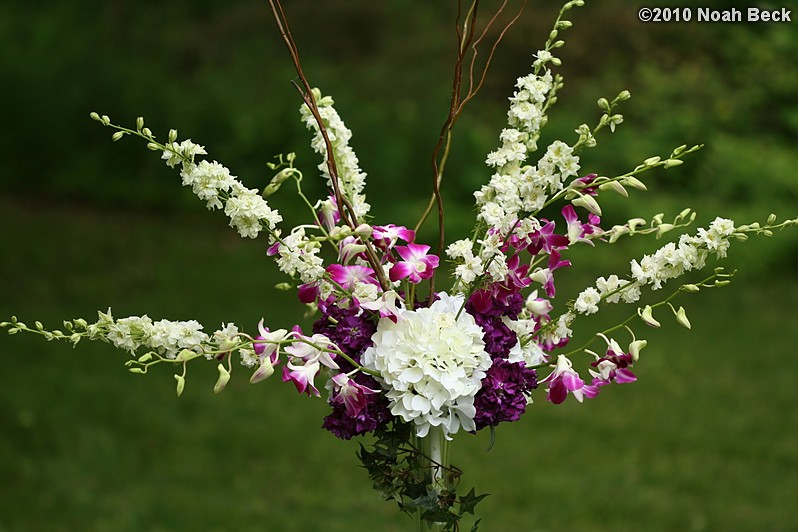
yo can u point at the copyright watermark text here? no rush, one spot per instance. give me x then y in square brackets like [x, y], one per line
[705, 14]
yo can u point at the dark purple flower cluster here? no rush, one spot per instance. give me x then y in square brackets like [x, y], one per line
[504, 393]
[487, 310]
[506, 385]
[373, 415]
[351, 330]
[348, 327]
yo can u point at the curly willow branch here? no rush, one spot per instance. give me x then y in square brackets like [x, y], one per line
[344, 206]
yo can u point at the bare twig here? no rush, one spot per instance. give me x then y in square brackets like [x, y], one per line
[345, 208]
[465, 40]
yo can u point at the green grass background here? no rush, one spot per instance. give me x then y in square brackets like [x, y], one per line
[707, 439]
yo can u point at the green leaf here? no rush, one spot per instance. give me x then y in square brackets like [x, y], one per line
[469, 501]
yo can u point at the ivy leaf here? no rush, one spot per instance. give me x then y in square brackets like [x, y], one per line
[469, 501]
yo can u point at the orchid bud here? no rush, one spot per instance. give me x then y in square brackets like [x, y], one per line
[118, 135]
[664, 228]
[285, 287]
[681, 317]
[221, 382]
[588, 203]
[634, 223]
[646, 314]
[651, 161]
[139, 123]
[138, 371]
[172, 135]
[635, 183]
[670, 163]
[635, 348]
[615, 186]
[181, 384]
[771, 219]
[690, 288]
[364, 230]
[184, 355]
[264, 371]
[145, 357]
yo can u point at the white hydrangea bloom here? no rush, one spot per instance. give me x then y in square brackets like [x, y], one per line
[431, 365]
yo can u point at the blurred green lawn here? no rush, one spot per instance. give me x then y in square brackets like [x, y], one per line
[707, 439]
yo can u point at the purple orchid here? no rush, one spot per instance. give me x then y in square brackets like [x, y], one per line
[350, 393]
[563, 380]
[348, 276]
[415, 265]
[386, 236]
[577, 231]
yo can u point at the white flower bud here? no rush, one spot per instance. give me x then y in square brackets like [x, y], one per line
[181, 384]
[118, 135]
[264, 371]
[771, 219]
[681, 317]
[139, 123]
[634, 183]
[615, 186]
[589, 203]
[635, 348]
[172, 135]
[651, 161]
[224, 378]
[670, 163]
[691, 288]
[646, 314]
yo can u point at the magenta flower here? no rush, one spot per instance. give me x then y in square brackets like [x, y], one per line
[386, 236]
[348, 276]
[585, 185]
[302, 376]
[577, 231]
[350, 393]
[563, 380]
[612, 367]
[328, 213]
[416, 264]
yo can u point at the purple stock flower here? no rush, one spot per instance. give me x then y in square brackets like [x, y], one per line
[372, 413]
[504, 393]
[348, 327]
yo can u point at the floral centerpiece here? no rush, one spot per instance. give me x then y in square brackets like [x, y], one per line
[398, 359]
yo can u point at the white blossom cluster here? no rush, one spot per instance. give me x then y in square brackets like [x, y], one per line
[431, 364]
[212, 182]
[469, 267]
[163, 336]
[669, 262]
[516, 187]
[299, 256]
[352, 179]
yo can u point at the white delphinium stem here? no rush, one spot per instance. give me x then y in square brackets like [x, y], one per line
[351, 178]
